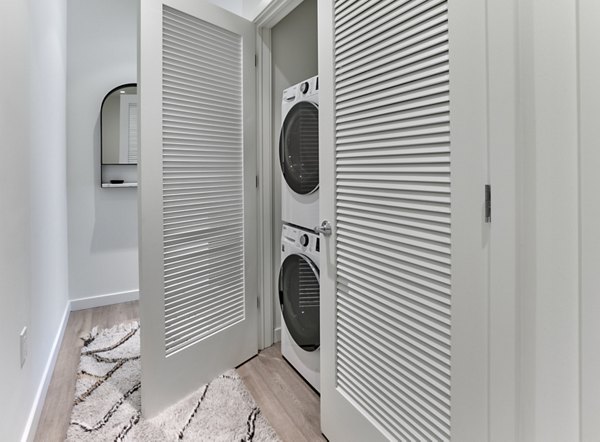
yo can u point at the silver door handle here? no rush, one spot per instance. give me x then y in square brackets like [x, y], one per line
[324, 228]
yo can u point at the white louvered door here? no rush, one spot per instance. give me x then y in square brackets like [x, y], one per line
[403, 275]
[198, 286]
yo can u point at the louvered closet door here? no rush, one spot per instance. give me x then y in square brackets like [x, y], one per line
[403, 148]
[198, 285]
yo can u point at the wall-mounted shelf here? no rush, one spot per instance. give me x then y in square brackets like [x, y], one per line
[105, 185]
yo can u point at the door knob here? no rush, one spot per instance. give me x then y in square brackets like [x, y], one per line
[324, 228]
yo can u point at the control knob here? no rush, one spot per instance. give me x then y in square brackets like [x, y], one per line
[304, 240]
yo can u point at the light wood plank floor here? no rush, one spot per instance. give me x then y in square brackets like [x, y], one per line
[289, 404]
[54, 420]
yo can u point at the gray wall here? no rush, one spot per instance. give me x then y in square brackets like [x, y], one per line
[33, 225]
[295, 58]
[103, 233]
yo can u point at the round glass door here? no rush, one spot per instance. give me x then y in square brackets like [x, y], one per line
[299, 300]
[299, 148]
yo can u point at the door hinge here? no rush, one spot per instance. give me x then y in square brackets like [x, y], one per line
[256, 180]
[488, 203]
[255, 59]
[258, 302]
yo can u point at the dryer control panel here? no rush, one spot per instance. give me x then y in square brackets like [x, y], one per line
[301, 90]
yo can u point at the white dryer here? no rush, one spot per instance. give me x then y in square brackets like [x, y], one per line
[299, 154]
[299, 298]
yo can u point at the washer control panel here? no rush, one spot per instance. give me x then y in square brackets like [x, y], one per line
[302, 239]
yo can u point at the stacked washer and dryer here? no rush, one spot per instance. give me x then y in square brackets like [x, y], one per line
[299, 295]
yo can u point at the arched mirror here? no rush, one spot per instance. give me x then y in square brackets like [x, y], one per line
[119, 123]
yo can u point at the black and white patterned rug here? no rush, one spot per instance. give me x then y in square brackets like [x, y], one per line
[108, 392]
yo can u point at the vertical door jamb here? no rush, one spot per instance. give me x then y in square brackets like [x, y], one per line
[265, 187]
[264, 22]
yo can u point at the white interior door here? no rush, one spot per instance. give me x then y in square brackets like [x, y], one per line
[198, 286]
[403, 168]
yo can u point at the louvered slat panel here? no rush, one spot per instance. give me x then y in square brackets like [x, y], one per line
[132, 152]
[202, 180]
[393, 213]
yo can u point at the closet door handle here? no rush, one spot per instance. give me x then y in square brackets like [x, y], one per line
[324, 228]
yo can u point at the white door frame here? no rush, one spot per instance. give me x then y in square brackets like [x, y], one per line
[265, 21]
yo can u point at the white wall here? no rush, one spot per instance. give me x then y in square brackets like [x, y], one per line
[251, 8]
[15, 171]
[589, 89]
[103, 234]
[294, 58]
[248, 9]
[33, 256]
[234, 6]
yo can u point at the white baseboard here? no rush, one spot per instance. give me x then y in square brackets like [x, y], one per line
[40, 396]
[277, 334]
[102, 300]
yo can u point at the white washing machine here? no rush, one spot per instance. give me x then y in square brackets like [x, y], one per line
[299, 154]
[299, 298]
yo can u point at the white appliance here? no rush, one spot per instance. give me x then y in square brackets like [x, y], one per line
[299, 299]
[299, 154]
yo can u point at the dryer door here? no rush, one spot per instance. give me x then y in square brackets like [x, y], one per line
[299, 148]
[299, 300]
